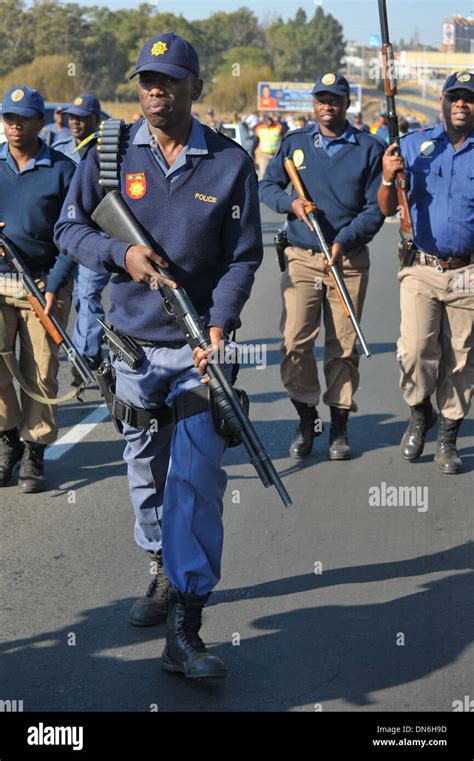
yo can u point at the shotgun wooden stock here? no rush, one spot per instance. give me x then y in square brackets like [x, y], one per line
[45, 320]
[390, 89]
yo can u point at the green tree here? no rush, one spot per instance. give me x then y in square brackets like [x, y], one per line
[231, 93]
[15, 35]
[302, 49]
[48, 74]
[236, 60]
[222, 31]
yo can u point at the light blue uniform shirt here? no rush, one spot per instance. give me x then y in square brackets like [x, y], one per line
[196, 146]
[441, 192]
[43, 158]
[334, 144]
[68, 145]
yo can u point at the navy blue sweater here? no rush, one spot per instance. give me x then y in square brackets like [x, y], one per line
[343, 187]
[206, 224]
[30, 204]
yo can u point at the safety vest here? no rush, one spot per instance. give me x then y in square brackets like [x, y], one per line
[269, 138]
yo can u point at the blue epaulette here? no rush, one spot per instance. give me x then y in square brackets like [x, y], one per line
[298, 131]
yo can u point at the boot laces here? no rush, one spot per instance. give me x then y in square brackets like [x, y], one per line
[159, 585]
[32, 463]
[192, 624]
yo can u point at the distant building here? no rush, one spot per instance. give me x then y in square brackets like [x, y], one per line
[458, 35]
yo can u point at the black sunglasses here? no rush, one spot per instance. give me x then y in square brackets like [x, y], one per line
[452, 97]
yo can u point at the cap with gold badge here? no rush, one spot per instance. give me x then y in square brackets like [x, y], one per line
[460, 80]
[170, 54]
[332, 82]
[23, 101]
[84, 105]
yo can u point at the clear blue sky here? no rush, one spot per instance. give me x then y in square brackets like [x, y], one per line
[358, 17]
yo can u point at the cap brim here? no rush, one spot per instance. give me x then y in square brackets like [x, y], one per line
[459, 86]
[22, 111]
[332, 90]
[178, 72]
[78, 112]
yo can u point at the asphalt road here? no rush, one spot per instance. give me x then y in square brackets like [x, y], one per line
[386, 625]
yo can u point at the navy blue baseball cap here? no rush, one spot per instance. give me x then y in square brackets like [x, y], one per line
[170, 54]
[332, 82]
[84, 105]
[23, 101]
[460, 80]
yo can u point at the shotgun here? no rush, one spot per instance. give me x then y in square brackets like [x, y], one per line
[332, 269]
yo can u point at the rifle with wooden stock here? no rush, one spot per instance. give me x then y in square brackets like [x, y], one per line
[406, 248]
[50, 322]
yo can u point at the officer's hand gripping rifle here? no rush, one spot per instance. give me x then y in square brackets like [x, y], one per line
[333, 270]
[50, 322]
[401, 182]
[114, 217]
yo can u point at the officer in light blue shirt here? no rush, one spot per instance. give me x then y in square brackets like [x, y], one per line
[436, 347]
[56, 131]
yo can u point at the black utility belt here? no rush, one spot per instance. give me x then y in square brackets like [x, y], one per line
[193, 402]
[189, 403]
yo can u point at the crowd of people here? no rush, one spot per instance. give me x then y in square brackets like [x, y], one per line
[264, 132]
[186, 182]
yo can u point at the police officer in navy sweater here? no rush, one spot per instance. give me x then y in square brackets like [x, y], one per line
[195, 192]
[340, 167]
[84, 118]
[34, 180]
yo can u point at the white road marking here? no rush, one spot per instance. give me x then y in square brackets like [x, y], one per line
[76, 434]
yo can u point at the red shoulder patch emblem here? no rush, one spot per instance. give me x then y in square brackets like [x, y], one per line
[135, 185]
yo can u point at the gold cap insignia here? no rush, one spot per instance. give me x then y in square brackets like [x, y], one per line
[328, 79]
[17, 95]
[78, 101]
[159, 48]
[463, 76]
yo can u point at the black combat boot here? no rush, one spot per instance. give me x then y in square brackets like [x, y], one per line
[31, 478]
[446, 457]
[185, 651]
[339, 448]
[11, 450]
[306, 432]
[152, 609]
[423, 417]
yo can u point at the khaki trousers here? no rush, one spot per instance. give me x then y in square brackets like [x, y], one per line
[306, 289]
[38, 361]
[436, 345]
[263, 160]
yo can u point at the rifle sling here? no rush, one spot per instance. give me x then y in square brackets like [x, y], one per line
[13, 367]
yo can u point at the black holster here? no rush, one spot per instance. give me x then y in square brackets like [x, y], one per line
[406, 253]
[281, 242]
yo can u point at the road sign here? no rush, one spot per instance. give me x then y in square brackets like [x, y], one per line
[296, 97]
